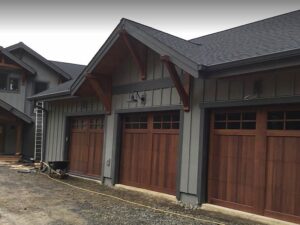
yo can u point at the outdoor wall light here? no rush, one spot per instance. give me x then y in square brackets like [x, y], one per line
[135, 96]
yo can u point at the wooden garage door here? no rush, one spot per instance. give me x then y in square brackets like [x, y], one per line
[86, 146]
[254, 161]
[149, 151]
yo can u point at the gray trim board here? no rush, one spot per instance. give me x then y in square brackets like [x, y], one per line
[143, 86]
[149, 109]
[115, 166]
[179, 155]
[103, 150]
[258, 102]
[15, 112]
[203, 156]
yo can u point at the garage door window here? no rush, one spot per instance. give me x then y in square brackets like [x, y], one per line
[284, 120]
[166, 120]
[136, 122]
[235, 120]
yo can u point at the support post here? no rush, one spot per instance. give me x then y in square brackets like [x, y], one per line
[19, 129]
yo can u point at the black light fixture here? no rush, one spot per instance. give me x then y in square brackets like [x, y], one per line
[135, 96]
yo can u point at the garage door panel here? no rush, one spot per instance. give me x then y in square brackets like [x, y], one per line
[86, 143]
[283, 175]
[149, 151]
[163, 169]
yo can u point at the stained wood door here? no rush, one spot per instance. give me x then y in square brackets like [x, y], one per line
[254, 161]
[86, 146]
[149, 151]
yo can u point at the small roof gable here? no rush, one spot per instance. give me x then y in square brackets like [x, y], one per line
[17, 61]
[48, 63]
[15, 112]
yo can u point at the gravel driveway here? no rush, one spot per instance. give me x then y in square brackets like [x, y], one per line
[34, 199]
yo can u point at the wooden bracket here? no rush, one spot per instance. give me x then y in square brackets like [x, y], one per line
[139, 54]
[102, 86]
[183, 89]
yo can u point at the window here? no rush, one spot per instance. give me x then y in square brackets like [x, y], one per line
[13, 84]
[3, 81]
[235, 120]
[40, 86]
[136, 121]
[168, 120]
[9, 83]
[96, 123]
[284, 120]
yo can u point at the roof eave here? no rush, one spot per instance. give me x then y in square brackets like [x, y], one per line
[183, 62]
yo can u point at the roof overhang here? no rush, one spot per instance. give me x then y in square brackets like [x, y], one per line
[46, 62]
[124, 26]
[20, 63]
[15, 112]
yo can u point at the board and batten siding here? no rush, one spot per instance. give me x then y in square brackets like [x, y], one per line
[56, 123]
[274, 84]
[126, 74]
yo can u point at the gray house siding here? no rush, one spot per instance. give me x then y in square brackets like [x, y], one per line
[15, 98]
[284, 83]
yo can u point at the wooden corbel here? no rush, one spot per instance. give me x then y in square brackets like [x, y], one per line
[138, 53]
[183, 89]
[102, 86]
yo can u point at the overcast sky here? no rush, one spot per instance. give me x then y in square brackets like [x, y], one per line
[73, 31]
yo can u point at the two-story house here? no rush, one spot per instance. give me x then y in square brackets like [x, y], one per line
[23, 73]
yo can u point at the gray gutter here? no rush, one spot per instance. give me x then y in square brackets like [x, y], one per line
[51, 95]
[253, 60]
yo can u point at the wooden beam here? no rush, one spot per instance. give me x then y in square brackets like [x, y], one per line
[9, 66]
[183, 90]
[139, 55]
[19, 129]
[102, 86]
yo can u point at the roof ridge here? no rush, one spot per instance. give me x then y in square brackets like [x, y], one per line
[42, 58]
[247, 24]
[132, 21]
[76, 64]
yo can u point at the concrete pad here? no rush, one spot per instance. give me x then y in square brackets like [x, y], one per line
[244, 215]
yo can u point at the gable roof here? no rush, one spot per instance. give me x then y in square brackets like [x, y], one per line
[268, 37]
[17, 60]
[15, 111]
[46, 62]
[266, 40]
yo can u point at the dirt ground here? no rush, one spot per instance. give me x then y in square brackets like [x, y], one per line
[34, 199]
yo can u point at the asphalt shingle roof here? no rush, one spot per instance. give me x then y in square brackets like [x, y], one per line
[273, 35]
[73, 69]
